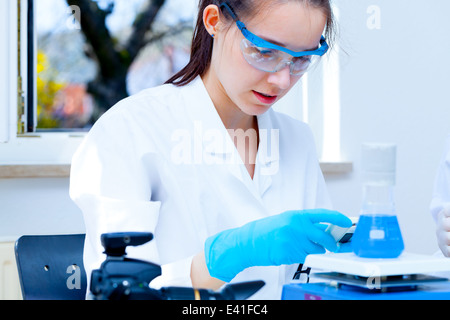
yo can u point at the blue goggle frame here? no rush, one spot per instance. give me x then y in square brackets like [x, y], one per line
[259, 42]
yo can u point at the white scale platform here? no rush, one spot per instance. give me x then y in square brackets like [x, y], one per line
[405, 264]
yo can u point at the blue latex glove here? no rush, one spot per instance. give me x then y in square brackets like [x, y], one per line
[286, 238]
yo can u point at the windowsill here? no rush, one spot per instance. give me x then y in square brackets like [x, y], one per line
[63, 170]
[34, 171]
[336, 168]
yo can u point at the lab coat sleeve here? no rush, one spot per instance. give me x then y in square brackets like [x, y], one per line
[441, 193]
[114, 178]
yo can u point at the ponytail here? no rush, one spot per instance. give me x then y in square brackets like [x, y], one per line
[201, 51]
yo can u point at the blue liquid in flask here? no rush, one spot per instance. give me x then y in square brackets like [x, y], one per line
[377, 236]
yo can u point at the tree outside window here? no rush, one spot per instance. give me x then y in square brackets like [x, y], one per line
[91, 54]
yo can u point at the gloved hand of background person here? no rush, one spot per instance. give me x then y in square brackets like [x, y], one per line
[443, 230]
[286, 238]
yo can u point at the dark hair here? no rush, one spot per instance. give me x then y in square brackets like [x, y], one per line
[202, 42]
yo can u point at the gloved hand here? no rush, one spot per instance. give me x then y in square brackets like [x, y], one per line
[286, 238]
[443, 230]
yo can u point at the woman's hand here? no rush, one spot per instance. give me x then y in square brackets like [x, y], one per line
[443, 230]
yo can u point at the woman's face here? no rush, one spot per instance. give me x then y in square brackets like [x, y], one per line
[292, 25]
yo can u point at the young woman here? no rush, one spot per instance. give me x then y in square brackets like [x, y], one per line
[231, 190]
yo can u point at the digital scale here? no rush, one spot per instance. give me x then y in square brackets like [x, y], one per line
[345, 276]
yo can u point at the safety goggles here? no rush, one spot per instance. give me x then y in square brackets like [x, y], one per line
[269, 57]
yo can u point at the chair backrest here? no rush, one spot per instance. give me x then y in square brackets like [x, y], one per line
[51, 267]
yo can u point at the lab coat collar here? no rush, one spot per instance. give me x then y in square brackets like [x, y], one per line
[268, 156]
[218, 146]
[206, 121]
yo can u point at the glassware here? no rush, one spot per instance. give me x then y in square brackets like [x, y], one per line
[378, 234]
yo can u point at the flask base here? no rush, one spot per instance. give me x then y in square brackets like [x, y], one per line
[377, 236]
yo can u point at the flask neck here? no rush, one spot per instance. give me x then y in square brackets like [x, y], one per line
[378, 199]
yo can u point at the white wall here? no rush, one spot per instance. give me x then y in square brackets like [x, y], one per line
[395, 82]
[37, 206]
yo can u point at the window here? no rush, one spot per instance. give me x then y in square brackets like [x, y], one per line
[79, 70]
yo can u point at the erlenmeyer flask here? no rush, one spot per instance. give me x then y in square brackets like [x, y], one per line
[377, 234]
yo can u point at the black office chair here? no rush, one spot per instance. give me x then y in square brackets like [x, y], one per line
[51, 267]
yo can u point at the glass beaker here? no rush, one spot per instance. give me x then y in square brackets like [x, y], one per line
[377, 234]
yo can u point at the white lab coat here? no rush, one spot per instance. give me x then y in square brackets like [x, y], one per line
[441, 193]
[162, 161]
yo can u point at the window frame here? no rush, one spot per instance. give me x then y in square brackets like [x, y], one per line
[31, 70]
[28, 148]
[6, 62]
